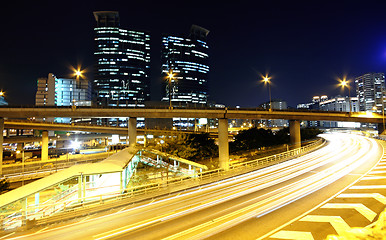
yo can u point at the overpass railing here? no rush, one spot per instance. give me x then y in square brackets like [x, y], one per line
[36, 169]
[64, 209]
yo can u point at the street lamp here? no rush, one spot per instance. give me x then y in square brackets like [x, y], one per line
[170, 77]
[78, 73]
[345, 83]
[267, 80]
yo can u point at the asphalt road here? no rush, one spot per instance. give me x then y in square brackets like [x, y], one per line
[248, 206]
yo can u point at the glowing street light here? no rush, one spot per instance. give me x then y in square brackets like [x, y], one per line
[78, 73]
[1, 94]
[345, 83]
[170, 77]
[267, 80]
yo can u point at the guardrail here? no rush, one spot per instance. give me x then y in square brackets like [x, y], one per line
[100, 202]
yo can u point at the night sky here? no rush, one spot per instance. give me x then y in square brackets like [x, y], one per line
[304, 45]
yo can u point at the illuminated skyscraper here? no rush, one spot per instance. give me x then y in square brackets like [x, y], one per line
[122, 63]
[55, 91]
[188, 59]
[370, 89]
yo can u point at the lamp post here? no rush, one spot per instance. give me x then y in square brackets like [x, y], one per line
[267, 81]
[345, 83]
[170, 77]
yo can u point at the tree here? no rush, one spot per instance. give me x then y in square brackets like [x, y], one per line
[194, 147]
[309, 133]
[252, 138]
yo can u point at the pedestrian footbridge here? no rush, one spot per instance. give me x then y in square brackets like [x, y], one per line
[85, 182]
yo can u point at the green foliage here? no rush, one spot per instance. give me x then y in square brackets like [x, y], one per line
[255, 138]
[4, 185]
[194, 147]
[309, 133]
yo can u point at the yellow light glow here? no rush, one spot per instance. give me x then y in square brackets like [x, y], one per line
[170, 75]
[1, 93]
[77, 72]
[344, 83]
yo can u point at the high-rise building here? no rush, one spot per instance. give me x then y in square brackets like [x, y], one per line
[187, 58]
[122, 63]
[370, 89]
[54, 91]
[2, 99]
[339, 104]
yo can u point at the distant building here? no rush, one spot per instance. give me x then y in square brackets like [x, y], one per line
[370, 90]
[2, 99]
[339, 104]
[54, 91]
[187, 58]
[122, 63]
[277, 104]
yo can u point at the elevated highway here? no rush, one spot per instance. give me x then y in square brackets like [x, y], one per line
[222, 114]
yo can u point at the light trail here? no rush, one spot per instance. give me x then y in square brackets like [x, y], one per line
[207, 208]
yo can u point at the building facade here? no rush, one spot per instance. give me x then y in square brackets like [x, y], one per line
[54, 91]
[122, 63]
[370, 89]
[277, 104]
[3, 102]
[187, 58]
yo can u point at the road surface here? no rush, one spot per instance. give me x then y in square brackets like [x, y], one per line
[244, 207]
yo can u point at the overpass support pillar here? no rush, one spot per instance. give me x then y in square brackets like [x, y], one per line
[132, 131]
[44, 156]
[1, 145]
[381, 129]
[223, 144]
[295, 139]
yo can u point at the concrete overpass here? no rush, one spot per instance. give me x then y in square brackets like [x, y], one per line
[222, 114]
[219, 113]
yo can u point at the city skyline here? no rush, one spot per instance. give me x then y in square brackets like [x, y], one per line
[303, 47]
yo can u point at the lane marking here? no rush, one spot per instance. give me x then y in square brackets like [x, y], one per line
[362, 209]
[373, 178]
[377, 196]
[369, 187]
[295, 235]
[41, 230]
[326, 201]
[122, 209]
[84, 219]
[7, 235]
[378, 172]
[336, 222]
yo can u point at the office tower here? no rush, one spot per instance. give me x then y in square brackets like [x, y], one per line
[122, 63]
[370, 89]
[3, 102]
[187, 58]
[54, 91]
[277, 104]
[339, 104]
